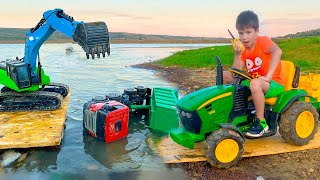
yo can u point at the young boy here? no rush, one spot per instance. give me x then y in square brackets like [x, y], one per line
[261, 57]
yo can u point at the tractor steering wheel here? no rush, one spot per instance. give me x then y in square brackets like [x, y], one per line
[240, 75]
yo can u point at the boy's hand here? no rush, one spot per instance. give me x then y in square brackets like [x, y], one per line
[237, 46]
[265, 78]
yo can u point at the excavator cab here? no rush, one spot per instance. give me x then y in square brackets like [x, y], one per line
[18, 71]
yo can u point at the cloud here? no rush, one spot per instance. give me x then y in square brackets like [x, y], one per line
[142, 18]
[283, 26]
[299, 14]
[290, 21]
[112, 14]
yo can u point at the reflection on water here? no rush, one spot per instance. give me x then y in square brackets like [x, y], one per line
[88, 78]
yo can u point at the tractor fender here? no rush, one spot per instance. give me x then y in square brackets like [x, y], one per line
[232, 127]
[286, 98]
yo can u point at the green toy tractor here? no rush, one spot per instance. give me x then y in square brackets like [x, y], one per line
[221, 115]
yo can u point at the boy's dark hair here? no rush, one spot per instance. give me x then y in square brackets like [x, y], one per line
[247, 19]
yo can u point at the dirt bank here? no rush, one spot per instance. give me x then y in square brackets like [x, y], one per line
[188, 80]
[297, 165]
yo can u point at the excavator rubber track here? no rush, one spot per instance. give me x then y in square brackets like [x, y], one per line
[60, 88]
[47, 98]
[93, 37]
[11, 101]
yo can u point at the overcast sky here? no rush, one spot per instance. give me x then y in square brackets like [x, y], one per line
[210, 18]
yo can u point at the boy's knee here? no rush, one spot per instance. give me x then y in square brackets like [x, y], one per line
[227, 77]
[226, 73]
[255, 85]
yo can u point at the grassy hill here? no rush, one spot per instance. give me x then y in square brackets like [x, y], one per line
[302, 52]
[17, 35]
[315, 32]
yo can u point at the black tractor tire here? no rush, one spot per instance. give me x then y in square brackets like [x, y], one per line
[130, 92]
[114, 96]
[216, 142]
[302, 133]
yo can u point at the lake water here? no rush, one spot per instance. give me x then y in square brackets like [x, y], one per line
[81, 155]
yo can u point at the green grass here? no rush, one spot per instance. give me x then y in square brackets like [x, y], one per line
[303, 52]
[198, 58]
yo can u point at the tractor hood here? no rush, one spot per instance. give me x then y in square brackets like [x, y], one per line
[196, 99]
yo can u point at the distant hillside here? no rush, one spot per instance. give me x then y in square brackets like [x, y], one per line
[17, 35]
[315, 32]
[122, 36]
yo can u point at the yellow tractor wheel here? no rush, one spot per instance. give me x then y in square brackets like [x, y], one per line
[299, 123]
[224, 148]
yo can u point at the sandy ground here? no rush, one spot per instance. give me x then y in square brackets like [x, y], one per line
[296, 165]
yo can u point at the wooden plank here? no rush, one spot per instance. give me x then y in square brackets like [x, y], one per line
[33, 128]
[174, 153]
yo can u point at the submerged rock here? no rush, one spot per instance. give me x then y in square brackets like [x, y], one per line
[9, 156]
[69, 49]
[260, 178]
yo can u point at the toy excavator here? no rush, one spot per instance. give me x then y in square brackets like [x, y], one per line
[221, 115]
[26, 86]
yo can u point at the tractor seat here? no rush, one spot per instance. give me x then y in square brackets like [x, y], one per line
[287, 73]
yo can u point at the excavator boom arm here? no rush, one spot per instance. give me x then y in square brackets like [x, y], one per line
[92, 37]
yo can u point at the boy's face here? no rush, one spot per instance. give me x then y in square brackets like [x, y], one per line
[248, 36]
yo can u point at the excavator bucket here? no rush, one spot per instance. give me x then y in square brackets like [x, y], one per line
[93, 37]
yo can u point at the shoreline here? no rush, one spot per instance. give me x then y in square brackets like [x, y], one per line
[187, 80]
[127, 42]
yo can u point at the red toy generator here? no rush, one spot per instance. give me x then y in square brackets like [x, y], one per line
[105, 120]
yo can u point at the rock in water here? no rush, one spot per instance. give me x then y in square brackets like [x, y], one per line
[260, 178]
[69, 49]
[9, 157]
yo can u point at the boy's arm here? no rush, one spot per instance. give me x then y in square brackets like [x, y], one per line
[237, 63]
[275, 60]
